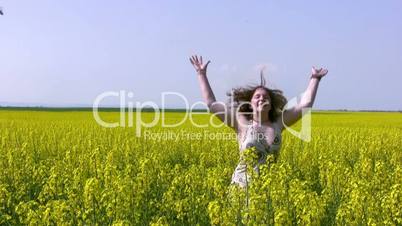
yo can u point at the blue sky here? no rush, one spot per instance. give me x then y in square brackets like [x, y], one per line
[65, 53]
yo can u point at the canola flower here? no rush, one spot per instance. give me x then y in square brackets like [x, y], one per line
[63, 168]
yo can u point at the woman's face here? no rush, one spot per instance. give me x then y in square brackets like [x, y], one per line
[261, 100]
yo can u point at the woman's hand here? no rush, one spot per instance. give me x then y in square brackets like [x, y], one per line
[318, 73]
[198, 64]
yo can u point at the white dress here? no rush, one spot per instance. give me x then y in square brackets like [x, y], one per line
[256, 139]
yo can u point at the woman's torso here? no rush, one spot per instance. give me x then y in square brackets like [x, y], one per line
[266, 139]
[265, 136]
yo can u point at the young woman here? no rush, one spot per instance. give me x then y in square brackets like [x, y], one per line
[258, 118]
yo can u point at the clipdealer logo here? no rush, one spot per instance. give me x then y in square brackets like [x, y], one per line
[129, 109]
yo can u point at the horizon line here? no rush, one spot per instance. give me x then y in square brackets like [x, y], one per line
[113, 108]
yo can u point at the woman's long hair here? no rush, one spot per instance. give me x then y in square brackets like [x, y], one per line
[241, 97]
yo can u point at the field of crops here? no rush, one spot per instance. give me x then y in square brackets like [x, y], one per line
[61, 167]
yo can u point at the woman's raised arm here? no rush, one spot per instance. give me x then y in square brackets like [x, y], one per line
[292, 115]
[218, 108]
